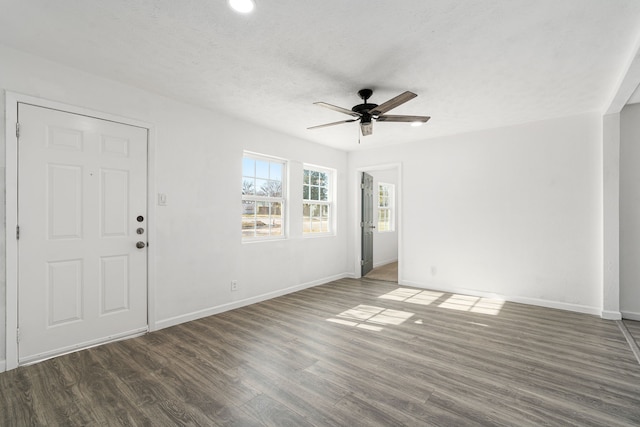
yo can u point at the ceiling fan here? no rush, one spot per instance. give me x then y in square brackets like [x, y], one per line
[366, 112]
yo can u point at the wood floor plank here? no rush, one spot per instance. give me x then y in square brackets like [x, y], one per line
[348, 353]
[633, 327]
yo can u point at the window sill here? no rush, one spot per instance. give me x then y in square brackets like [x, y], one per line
[316, 235]
[263, 239]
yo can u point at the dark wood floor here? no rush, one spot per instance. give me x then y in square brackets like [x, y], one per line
[350, 353]
[634, 329]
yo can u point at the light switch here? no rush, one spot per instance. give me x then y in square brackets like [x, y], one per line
[162, 199]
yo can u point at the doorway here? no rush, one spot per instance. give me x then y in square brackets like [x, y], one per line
[379, 222]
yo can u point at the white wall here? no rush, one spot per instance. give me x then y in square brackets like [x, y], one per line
[514, 211]
[630, 212]
[385, 244]
[198, 162]
[611, 217]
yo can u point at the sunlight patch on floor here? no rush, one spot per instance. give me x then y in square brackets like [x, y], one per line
[454, 302]
[473, 304]
[413, 296]
[371, 317]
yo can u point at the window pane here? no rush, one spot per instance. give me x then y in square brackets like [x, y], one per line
[324, 193]
[315, 177]
[275, 220]
[305, 177]
[384, 220]
[248, 166]
[315, 193]
[306, 217]
[248, 186]
[262, 169]
[248, 218]
[273, 188]
[262, 218]
[305, 192]
[262, 187]
[275, 171]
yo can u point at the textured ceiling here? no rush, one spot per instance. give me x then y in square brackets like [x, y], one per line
[474, 64]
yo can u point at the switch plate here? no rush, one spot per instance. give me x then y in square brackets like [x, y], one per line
[162, 199]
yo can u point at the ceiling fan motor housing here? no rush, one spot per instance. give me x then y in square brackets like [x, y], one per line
[364, 108]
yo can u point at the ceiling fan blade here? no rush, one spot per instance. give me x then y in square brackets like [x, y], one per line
[393, 103]
[405, 119]
[333, 124]
[366, 128]
[338, 109]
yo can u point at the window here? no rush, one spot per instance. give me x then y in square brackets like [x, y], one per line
[317, 200]
[386, 206]
[262, 197]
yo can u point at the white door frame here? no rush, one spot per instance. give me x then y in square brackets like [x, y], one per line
[357, 193]
[11, 208]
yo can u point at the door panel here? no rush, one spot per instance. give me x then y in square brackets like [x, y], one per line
[81, 185]
[64, 292]
[367, 223]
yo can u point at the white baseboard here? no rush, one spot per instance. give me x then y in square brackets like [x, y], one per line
[381, 263]
[611, 315]
[3, 365]
[166, 323]
[522, 300]
[630, 315]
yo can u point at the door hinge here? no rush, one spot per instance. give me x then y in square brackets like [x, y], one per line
[17, 232]
[362, 186]
[18, 335]
[361, 224]
[17, 130]
[362, 262]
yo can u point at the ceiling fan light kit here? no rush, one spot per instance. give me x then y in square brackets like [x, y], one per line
[366, 112]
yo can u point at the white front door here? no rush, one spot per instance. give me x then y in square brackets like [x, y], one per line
[82, 208]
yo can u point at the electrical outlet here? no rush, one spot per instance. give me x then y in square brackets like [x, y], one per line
[234, 285]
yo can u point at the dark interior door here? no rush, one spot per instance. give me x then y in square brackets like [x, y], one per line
[366, 224]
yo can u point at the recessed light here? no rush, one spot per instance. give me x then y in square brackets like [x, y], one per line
[242, 6]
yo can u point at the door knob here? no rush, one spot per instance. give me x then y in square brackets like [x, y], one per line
[140, 245]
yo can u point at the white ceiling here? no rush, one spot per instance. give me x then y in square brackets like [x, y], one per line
[474, 64]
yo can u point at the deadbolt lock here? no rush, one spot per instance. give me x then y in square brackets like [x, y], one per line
[140, 230]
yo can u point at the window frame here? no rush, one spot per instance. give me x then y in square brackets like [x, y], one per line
[390, 208]
[255, 198]
[330, 203]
